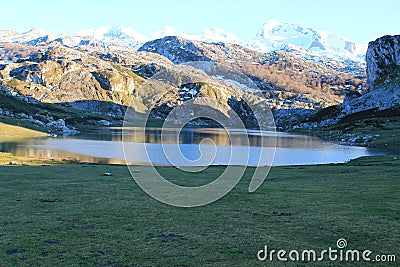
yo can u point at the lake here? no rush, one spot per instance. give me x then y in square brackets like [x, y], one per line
[189, 147]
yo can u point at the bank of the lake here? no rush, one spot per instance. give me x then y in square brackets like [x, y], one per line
[372, 128]
[12, 132]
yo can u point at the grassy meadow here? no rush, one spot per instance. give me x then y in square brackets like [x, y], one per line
[71, 214]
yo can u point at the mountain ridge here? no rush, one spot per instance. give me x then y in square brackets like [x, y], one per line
[273, 35]
[297, 35]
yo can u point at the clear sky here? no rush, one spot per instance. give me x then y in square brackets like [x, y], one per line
[358, 20]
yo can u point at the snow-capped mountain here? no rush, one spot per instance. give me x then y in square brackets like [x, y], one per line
[218, 35]
[26, 37]
[207, 35]
[304, 41]
[277, 36]
[166, 31]
[118, 34]
[130, 37]
[273, 35]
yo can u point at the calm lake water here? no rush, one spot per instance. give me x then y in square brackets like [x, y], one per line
[189, 147]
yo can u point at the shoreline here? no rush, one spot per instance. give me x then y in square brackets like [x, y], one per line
[15, 133]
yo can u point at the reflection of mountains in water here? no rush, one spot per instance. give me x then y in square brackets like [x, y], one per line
[194, 136]
[104, 146]
[30, 151]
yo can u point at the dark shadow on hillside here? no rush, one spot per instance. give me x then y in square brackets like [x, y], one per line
[36, 114]
[98, 107]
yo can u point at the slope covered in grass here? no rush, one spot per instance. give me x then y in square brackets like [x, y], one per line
[12, 132]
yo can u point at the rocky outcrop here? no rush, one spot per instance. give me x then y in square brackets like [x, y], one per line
[180, 50]
[58, 126]
[99, 107]
[61, 74]
[29, 73]
[177, 49]
[383, 61]
[147, 70]
[383, 74]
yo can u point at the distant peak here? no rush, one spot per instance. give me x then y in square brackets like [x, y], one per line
[273, 26]
[36, 31]
[114, 33]
[121, 30]
[169, 29]
[272, 23]
[166, 31]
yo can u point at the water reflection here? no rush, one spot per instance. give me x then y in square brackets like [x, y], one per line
[37, 149]
[105, 146]
[191, 136]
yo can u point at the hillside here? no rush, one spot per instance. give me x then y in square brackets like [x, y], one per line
[12, 132]
[288, 81]
[89, 73]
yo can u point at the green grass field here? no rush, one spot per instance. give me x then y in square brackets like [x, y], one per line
[72, 215]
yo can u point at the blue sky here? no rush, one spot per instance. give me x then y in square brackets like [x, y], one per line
[361, 21]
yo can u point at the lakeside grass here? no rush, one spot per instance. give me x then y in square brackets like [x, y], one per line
[11, 132]
[381, 126]
[385, 132]
[11, 159]
[71, 214]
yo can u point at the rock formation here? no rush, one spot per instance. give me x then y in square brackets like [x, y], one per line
[383, 77]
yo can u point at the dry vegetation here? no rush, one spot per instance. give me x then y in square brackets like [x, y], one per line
[12, 132]
[286, 72]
